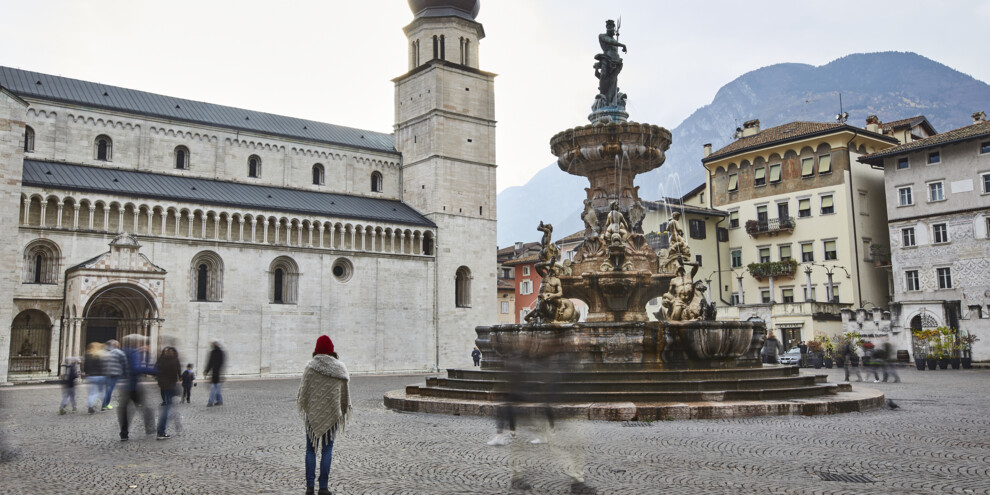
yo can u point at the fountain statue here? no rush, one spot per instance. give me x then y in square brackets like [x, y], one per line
[618, 354]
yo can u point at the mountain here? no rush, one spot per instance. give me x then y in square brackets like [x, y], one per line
[891, 85]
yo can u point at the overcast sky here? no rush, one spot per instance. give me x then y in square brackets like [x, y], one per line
[333, 61]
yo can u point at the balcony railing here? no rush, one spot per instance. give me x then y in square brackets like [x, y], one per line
[770, 226]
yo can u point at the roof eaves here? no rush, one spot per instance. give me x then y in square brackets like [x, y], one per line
[878, 157]
[770, 144]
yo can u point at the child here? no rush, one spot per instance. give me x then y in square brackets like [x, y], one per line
[188, 376]
[69, 384]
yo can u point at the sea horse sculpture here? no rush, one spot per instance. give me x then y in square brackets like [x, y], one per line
[551, 305]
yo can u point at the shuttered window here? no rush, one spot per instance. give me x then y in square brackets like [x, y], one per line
[733, 219]
[807, 252]
[696, 229]
[825, 164]
[804, 207]
[775, 172]
[733, 182]
[785, 252]
[830, 251]
[807, 167]
[827, 205]
[760, 177]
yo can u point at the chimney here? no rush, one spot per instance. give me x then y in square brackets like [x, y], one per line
[708, 149]
[979, 117]
[751, 127]
[873, 124]
[738, 133]
[519, 246]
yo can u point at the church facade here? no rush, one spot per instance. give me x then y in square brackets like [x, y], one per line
[130, 212]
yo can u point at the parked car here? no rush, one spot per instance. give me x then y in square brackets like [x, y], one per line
[791, 357]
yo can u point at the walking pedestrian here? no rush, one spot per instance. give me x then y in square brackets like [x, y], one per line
[95, 379]
[215, 364]
[773, 347]
[803, 347]
[870, 359]
[889, 363]
[69, 376]
[188, 382]
[476, 356]
[136, 350]
[113, 368]
[324, 403]
[168, 377]
[848, 351]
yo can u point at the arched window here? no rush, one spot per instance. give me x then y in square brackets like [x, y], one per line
[182, 158]
[104, 148]
[206, 277]
[428, 244]
[318, 176]
[28, 139]
[254, 166]
[41, 262]
[436, 47]
[462, 287]
[283, 281]
[376, 182]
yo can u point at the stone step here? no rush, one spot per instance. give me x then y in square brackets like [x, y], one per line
[634, 397]
[631, 386]
[650, 375]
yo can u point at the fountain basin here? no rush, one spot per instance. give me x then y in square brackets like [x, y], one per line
[615, 296]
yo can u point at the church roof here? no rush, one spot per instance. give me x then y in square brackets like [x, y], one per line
[137, 184]
[26, 84]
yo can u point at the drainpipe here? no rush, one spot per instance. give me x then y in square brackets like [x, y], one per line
[852, 203]
[718, 251]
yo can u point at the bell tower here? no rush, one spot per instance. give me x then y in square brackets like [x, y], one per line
[445, 131]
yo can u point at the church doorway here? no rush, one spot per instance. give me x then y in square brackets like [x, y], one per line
[116, 311]
[30, 342]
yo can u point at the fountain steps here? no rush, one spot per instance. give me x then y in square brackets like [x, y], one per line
[768, 371]
[630, 386]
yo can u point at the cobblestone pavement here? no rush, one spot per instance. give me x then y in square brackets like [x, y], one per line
[937, 441]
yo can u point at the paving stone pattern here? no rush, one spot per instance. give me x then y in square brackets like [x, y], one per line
[937, 441]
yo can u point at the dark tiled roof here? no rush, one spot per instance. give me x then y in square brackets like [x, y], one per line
[525, 260]
[785, 133]
[676, 206]
[62, 89]
[972, 131]
[908, 122]
[214, 192]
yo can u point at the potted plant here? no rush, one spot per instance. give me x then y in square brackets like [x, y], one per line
[920, 349]
[815, 351]
[966, 347]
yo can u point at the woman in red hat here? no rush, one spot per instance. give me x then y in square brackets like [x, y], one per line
[324, 402]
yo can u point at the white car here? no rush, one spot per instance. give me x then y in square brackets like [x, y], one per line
[791, 357]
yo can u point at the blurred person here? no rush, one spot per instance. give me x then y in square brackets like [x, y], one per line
[889, 363]
[136, 350]
[847, 351]
[773, 347]
[476, 356]
[188, 382]
[69, 376]
[168, 367]
[114, 367]
[215, 364]
[803, 347]
[870, 359]
[324, 403]
[95, 379]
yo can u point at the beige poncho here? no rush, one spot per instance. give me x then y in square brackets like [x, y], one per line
[324, 401]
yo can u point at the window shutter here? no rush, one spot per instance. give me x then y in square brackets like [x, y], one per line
[826, 202]
[761, 173]
[775, 173]
[723, 234]
[824, 164]
[785, 252]
[733, 182]
[807, 166]
[807, 248]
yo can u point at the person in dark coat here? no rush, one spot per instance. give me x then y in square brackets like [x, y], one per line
[804, 354]
[215, 365]
[476, 356]
[136, 350]
[188, 381]
[168, 377]
[773, 347]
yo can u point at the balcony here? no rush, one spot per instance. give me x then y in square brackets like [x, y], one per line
[771, 226]
[775, 269]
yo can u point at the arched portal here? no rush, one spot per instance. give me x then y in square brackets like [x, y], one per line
[118, 310]
[30, 341]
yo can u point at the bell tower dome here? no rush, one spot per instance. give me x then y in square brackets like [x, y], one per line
[445, 131]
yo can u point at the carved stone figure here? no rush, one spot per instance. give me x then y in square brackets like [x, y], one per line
[590, 218]
[607, 68]
[636, 215]
[549, 253]
[551, 305]
[616, 227]
[678, 249]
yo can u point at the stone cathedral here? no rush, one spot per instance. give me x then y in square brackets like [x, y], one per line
[131, 212]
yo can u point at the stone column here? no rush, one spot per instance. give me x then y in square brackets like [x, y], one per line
[309, 241]
[742, 295]
[831, 288]
[192, 220]
[137, 215]
[106, 218]
[44, 213]
[202, 229]
[92, 213]
[151, 221]
[264, 232]
[807, 278]
[164, 229]
[229, 220]
[58, 216]
[27, 211]
[278, 227]
[299, 235]
[75, 216]
[771, 291]
[240, 229]
[319, 234]
[254, 223]
[120, 219]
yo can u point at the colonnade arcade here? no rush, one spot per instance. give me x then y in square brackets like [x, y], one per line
[52, 210]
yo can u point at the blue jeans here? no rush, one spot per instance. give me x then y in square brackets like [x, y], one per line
[96, 384]
[215, 394]
[326, 455]
[110, 384]
[167, 396]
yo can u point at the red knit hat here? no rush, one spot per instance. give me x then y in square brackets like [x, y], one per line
[323, 345]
